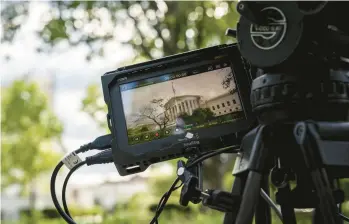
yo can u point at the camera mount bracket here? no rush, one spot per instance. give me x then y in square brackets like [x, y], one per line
[192, 190]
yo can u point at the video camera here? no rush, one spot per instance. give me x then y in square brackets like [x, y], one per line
[177, 106]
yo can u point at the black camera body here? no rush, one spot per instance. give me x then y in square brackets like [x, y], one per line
[176, 106]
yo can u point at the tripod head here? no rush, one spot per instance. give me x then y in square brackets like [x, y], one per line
[276, 36]
[301, 50]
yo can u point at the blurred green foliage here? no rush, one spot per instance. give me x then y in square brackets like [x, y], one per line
[27, 126]
[138, 212]
[157, 28]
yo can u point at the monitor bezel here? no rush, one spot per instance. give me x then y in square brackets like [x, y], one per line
[140, 156]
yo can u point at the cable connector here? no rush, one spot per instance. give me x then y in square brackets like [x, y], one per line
[100, 158]
[100, 143]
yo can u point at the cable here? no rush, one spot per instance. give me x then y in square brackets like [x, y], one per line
[201, 158]
[64, 202]
[214, 153]
[343, 217]
[103, 157]
[100, 143]
[54, 196]
[163, 202]
[100, 158]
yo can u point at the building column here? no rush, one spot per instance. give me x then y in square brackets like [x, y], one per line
[171, 114]
[195, 104]
[189, 108]
[174, 112]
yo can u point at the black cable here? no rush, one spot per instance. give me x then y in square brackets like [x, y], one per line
[343, 217]
[105, 156]
[201, 158]
[214, 153]
[100, 143]
[54, 196]
[100, 158]
[64, 202]
[163, 202]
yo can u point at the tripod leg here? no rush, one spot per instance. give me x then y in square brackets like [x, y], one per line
[287, 210]
[317, 216]
[239, 183]
[338, 185]
[250, 198]
[307, 137]
[263, 211]
[252, 188]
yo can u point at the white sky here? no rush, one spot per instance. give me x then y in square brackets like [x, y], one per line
[73, 74]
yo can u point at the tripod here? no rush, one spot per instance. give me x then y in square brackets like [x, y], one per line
[301, 98]
[302, 105]
[317, 168]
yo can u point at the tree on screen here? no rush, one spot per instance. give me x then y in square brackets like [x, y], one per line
[186, 118]
[199, 116]
[151, 112]
[202, 115]
[228, 82]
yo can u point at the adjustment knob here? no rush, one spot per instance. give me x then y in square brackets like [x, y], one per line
[270, 42]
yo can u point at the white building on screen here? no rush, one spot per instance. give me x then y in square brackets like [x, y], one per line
[181, 104]
[175, 106]
[219, 105]
[224, 104]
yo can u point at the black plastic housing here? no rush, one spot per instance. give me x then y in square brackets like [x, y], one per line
[131, 159]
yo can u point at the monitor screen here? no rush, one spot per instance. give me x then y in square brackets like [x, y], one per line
[175, 103]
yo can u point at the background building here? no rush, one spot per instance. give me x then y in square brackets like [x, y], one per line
[181, 104]
[224, 104]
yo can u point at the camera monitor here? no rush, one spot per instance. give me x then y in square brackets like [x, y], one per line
[177, 105]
